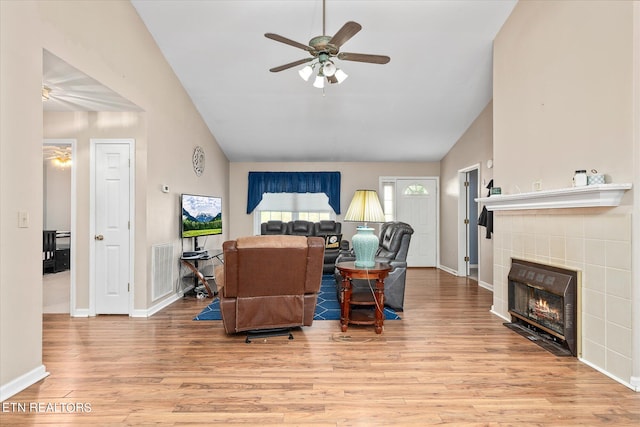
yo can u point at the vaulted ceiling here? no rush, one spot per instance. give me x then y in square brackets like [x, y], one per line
[412, 109]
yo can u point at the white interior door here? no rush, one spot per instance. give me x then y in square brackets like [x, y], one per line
[416, 204]
[111, 238]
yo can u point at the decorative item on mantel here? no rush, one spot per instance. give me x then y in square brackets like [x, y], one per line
[595, 178]
[365, 207]
[580, 178]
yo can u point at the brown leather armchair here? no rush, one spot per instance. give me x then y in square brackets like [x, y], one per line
[269, 282]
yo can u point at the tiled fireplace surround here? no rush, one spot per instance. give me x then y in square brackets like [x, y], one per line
[596, 241]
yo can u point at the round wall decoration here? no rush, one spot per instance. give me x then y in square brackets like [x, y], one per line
[198, 160]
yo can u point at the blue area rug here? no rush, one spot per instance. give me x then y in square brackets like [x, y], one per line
[327, 308]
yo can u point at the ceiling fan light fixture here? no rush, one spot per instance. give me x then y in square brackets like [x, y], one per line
[46, 93]
[323, 49]
[319, 82]
[329, 68]
[340, 75]
[306, 72]
[62, 161]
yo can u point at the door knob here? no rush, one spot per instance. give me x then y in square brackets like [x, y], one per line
[99, 237]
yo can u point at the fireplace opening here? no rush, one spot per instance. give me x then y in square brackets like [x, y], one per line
[543, 305]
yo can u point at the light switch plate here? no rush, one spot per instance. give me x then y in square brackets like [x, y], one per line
[23, 219]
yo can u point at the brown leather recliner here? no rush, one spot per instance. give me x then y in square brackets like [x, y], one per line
[269, 282]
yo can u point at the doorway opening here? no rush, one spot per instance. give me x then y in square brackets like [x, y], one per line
[59, 225]
[468, 242]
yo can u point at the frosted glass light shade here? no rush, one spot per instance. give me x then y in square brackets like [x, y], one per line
[340, 75]
[305, 72]
[319, 83]
[328, 69]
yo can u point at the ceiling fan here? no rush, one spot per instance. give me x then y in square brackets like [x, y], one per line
[323, 49]
[61, 155]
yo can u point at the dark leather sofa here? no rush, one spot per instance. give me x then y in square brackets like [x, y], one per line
[392, 248]
[324, 229]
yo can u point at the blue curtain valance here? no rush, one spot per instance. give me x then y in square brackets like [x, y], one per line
[293, 182]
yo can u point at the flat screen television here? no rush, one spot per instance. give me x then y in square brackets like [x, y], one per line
[201, 215]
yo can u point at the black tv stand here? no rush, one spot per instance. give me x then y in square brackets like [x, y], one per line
[192, 263]
[194, 254]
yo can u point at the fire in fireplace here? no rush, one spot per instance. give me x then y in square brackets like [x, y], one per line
[543, 298]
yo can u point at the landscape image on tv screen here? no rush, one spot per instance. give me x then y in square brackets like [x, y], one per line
[201, 215]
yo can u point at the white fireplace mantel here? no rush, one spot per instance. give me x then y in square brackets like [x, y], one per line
[574, 197]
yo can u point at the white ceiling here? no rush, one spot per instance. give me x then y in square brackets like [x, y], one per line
[72, 90]
[412, 109]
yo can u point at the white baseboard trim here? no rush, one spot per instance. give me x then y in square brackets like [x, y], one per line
[494, 312]
[602, 371]
[448, 270]
[22, 382]
[82, 312]
[138, 313]
[487, 286]
[156, 308]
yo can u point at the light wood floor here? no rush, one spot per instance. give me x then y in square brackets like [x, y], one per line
[448, 361]
[55, 292]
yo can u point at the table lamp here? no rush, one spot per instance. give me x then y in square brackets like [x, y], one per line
[365, 207]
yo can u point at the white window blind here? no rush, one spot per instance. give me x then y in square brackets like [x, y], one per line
[292, 206]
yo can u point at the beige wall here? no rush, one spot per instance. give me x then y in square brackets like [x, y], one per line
[353, 176]
[563, 93]
[20, 190]
[107, 41]
[474, 147]
[563, 100]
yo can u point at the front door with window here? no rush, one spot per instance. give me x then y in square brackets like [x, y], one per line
[416, 204]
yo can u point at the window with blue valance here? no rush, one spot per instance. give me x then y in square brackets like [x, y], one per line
[293, 182]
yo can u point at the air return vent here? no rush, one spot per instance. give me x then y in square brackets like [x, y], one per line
[162, 270]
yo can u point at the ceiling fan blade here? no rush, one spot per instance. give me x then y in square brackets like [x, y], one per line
[290, 42]
[289, 65]
[347, 31]
[362, 57]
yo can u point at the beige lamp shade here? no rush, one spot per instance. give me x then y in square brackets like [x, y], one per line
[365, 207]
